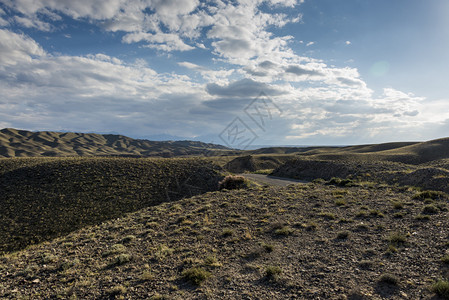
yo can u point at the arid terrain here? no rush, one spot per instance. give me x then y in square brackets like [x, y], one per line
[365, 222]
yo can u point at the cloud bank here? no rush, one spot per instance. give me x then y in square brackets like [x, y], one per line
[96, 92]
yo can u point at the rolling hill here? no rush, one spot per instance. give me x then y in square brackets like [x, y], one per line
[43, 198]
[22, 143]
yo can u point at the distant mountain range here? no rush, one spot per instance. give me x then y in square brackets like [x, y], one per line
[22, 143]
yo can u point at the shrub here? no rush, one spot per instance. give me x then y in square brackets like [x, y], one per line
[342, 235]
[430, 209]
[429, 195]
[441, 288]
[195, 275]
[232, 182]
[366, 264]
[284, 231]
[273, 272]
[212, 261]
[389, 279]
[445, 259]
[128, 239]
[422, 217]
[116, 290]
[341, 182]
[268, 247]
[397, 238]
[122, 259]
[398, 205]
[340, 202]
[327, 215]
[227, 232]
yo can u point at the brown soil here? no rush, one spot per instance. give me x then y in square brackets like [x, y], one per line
[326, 242]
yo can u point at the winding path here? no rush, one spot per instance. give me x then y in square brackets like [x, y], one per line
[271, 180]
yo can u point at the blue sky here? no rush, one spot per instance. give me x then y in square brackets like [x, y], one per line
[330, 72]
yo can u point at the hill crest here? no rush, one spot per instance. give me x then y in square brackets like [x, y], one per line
[23, 143]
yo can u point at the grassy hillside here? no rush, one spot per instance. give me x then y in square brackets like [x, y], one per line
[45, 198]
[433, 176]
[252, 163]
[404, 152]
[22, 143]
[300, 242]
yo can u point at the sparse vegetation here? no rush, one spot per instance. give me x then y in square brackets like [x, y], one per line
[232, 182]
[196, 275]
[343, 235]
[273, 272]
[430, 209]
[441, 288]
[389, 279]
[397, 239]
[296, 242]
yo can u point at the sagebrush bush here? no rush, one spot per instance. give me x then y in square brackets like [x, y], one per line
[272, 272]
[389, 279]
[232, 182]
[195, 275]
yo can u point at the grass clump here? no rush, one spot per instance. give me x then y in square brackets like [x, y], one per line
[273, 272]
[434, 195]
[340, 182]
[283, 231]
[441, 288]
[327, 215]
[389, 279]
[376, 213]
[340, 202]
[232, 182]
[268, 247]
[196, 275]
[212, 261]
[445, 259]
[227, 232]
[116, 290]
[115, 249]
[343, 235]
[430, 209]
[396, 239]
[398, 205]
[422, 217]
[122, 259]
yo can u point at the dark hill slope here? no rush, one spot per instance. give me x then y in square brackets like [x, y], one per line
[44, 198]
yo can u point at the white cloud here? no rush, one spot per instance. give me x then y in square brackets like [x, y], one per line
[102, 93]
[16, 49]
[348, 43]
[160, 41]
[216, 76]
[33, 22]
[310, 44]
[3, 22]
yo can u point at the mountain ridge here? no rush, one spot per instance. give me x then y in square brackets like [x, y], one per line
[23, 143]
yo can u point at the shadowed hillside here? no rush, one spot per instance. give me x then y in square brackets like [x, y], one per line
[45, 198]
[22, 143]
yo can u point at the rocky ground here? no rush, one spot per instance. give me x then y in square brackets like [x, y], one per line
[303, 241]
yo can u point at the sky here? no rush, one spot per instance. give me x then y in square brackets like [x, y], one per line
[237, 73]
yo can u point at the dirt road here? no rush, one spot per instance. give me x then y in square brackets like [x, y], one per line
[271, 180]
